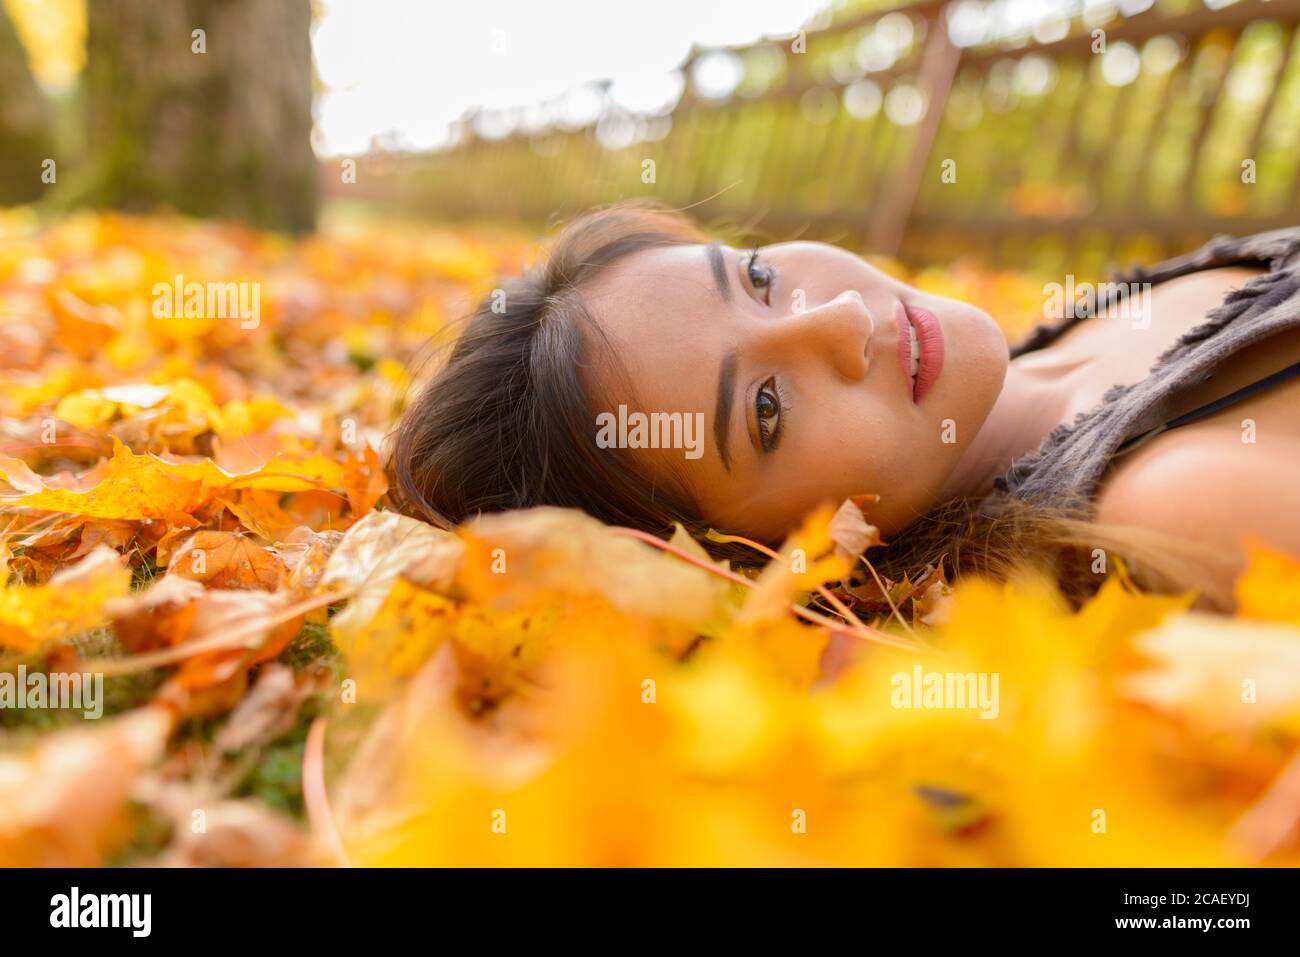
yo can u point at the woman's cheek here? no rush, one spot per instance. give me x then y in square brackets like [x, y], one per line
[902, 468]
[975, 365]
[990, 358]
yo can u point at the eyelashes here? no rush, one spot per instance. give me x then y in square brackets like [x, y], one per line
[760, 276]
[770, 410]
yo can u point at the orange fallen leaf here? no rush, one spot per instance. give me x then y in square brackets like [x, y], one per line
[157, 617]
[64, 799]
[214, 681]
[364, 481]
[227, 560]
[80, 327]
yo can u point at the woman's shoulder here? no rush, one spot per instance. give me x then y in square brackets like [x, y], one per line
[1273, 250]
[1070, 464]
[1195, 486]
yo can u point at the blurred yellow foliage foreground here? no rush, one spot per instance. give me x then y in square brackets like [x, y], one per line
[193, 518]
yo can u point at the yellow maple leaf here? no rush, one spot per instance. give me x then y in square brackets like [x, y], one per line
[1233, 676]
[808, 558]
[32, 616]
[242, 417]
[1269, 588]
[134, 487]
[410, 623]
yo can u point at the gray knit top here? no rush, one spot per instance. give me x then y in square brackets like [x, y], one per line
[1067, 468]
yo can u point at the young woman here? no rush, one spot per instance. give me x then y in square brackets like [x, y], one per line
[1162, 427]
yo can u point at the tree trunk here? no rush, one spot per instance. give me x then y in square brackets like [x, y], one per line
[26, 139]
[212, 124]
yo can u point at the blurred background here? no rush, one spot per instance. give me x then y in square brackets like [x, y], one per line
[1039, 135]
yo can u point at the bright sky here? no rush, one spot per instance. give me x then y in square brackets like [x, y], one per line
[401, 70]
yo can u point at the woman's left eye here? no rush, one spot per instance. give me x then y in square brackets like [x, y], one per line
[760, 275]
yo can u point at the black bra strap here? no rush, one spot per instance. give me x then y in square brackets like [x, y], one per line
[1210, 408]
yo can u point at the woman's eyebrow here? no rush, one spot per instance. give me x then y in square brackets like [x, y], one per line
[722, 412]
[719, 266]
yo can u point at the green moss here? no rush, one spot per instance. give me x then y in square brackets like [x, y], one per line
[276, 778]
[144, 570]
[312, 645]
[271, 773]
[120, 692]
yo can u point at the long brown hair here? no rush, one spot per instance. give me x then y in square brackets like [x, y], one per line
[504, 424]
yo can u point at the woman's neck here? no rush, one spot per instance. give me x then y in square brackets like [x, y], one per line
[1037, 395]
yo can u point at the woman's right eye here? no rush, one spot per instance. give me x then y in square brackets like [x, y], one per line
[767, 408]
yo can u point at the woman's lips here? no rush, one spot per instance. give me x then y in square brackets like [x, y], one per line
[905, 348]
[929, 339]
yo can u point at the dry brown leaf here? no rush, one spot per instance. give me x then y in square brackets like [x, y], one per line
[230, 631]
[851, 531]
[305, 554]
[934, 605]
[373, 553]
[516, 557]
[209, 831]
[214, 682]
[269, 709]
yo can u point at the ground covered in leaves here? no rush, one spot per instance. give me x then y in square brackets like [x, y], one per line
[192, 507]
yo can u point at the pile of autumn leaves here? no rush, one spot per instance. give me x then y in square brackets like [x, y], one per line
[196, 510]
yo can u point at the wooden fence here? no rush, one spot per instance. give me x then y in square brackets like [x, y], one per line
[903, 132]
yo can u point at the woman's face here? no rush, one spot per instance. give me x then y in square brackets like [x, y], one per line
[801, 363]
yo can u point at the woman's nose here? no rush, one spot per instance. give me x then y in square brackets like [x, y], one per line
[838, 331]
